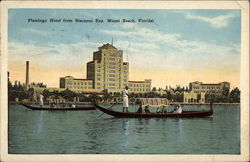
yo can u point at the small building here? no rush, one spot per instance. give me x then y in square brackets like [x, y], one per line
[192, 97]
[208, 88]
[76, 85]
[140, 86]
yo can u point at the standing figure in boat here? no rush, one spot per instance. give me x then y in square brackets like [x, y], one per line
[125, 99]
[41, 100]
[177, 109]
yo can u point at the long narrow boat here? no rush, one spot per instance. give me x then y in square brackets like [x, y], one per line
[184, 114]
[82, 108]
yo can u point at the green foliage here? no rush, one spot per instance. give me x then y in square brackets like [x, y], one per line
[154, 89]
[234, 95]
[17, 90]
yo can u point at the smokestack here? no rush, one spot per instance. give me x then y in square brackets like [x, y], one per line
[27, 74]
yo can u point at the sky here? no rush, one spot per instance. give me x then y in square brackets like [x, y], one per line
[178, 47]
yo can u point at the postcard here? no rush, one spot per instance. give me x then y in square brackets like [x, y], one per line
[119, 81]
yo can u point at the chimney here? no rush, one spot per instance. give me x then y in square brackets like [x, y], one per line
[27, 74]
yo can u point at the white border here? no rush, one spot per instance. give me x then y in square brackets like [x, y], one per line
[244, 84]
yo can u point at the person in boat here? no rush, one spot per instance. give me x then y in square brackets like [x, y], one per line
[163, 111]
[178, 109]
[140, 108]
[125, 99]
[158, 110]
[146, 109]
[41, 100]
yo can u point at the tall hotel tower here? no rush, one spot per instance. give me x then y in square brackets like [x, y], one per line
[107, 70]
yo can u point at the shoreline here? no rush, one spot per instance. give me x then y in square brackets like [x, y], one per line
[173, 103]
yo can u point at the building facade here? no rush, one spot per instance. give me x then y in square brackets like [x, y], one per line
[76, 85]
[107, 71]
[139, 86]
[191, 97]
[217, 89]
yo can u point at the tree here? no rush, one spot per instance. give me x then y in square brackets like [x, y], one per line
[46, 93]
[68, 94]
[234, 95]
[154, 89]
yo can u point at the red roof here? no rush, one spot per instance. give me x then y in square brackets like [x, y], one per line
[211, 84]
[136, 81]
[82, 79]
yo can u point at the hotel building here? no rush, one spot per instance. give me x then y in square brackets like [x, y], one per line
[199, 87]
[107, 71]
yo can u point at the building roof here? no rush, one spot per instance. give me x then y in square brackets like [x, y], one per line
[210, 84]
[107, 46]
[90, 62]
[82, 79]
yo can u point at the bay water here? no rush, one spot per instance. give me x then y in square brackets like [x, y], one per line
[92, 132]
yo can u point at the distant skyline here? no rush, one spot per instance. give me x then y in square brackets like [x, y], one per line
[179, 47]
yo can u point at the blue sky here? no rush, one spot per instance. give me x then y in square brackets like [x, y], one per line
[183, 45]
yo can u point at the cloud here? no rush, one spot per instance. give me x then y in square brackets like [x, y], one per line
[55, 55]
[216, 22]
[170, 51]
[35, 31]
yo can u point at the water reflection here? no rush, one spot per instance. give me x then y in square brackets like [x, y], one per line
[125, 132]
[38, 126]
[178, 130]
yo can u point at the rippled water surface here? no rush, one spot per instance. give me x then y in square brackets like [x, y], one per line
[91, 132]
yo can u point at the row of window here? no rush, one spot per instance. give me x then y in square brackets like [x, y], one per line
[78, 87]
[139, 89]
[206, 87]
[136, 85]
[207, 91]
[78, 83]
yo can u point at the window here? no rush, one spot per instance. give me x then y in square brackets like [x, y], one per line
[111, 84]
[111, 67]
[124, 80]
[112, 59]
[111, 71]
[111, 79]
[90, 83]
[111, 75]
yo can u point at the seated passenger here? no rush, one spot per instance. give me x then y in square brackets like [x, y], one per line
[146, 109]
[158, 110]
[139, 109]
[164, 110]
[177, 109]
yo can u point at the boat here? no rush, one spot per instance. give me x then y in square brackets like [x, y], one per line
[78, 108]
[184, 114]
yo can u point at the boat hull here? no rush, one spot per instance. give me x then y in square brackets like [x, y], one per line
[60, 109]
[184, 114]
